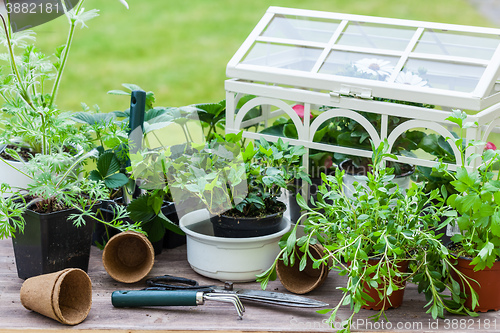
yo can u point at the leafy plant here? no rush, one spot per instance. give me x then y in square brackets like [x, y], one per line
[57, 184]
[31, 117]
[110, 138]
[476, 200]
[214, 117]
[270, 168]
[378, 224]
[224, 177]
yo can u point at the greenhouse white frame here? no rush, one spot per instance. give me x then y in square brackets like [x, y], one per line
[263, 67]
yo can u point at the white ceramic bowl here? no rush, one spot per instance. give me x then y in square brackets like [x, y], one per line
[228, 259]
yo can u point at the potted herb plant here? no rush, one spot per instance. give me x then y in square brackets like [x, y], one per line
[151, 206]
[51, 220]
[380, 239]
[31, 121]
[109, 137]
[44, 145]
[477, 201]
[240, 188]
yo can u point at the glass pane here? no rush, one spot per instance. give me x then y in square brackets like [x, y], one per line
[460, 44]
[301, 28]
[442, 75]
[376, 36]
[282, 56]
[362, 65]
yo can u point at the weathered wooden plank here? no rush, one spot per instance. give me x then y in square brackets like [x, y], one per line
[213, 316]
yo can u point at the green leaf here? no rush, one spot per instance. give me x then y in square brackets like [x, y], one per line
[139, 209]
[93, 118]
[154, 229]
[290, 131]
[464, 176]
[290, 243]
[108, 164]
[469, 201]
[495, 224]
[434, 311]
[118, 92]
[486, 210]
[303, 263]
[95, 176]
[115, 181]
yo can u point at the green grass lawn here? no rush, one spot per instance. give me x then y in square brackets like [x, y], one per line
[179, 49]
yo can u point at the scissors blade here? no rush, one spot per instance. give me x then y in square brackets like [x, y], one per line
[272, 297]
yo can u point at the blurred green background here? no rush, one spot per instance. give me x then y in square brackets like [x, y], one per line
[179, 49]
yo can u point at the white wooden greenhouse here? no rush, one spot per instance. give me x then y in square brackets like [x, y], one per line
[340, 65]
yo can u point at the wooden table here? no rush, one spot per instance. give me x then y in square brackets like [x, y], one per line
[215, 316]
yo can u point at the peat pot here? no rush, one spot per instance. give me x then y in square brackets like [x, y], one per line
[228, 259]
[65, 296]
[488, 289]
[51, 243]
[303, 281]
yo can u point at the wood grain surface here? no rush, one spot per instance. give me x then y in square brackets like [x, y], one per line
[215, 316]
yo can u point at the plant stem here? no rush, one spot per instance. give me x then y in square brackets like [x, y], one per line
[64, 58]
[24, 93]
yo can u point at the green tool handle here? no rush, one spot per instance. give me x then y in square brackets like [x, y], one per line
[137, 298]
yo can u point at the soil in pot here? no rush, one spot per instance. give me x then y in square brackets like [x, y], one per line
[487, 285]
[24, 153]
[394, 300]
[230, 226]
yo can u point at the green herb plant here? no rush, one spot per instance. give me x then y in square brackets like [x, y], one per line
[226, 178]
[477, 199]
[57, 184]
[371, 237]
[29, 86]
[110, 137]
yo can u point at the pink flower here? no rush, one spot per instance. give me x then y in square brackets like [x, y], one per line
[490, 145]
[328, 162]
[299, 110]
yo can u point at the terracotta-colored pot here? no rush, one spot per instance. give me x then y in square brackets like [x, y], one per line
[396, 298]
[488, 289]
[65, 296]
[301, 282]
[128, 257]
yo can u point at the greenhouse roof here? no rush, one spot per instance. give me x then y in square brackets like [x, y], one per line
[449, 65]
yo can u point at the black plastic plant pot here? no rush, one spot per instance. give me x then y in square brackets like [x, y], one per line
[51, 243]
[245, 227]
[293, 206]
[171, 240]
[103, 233]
